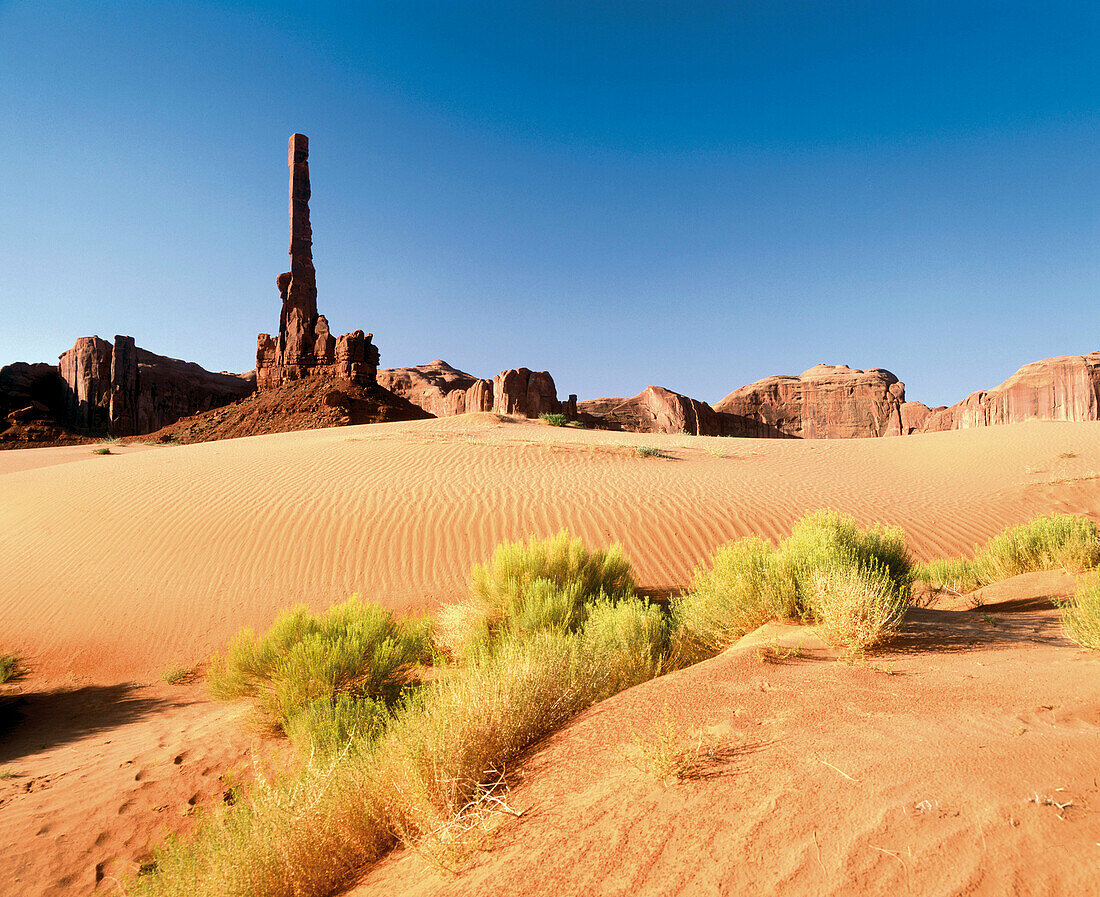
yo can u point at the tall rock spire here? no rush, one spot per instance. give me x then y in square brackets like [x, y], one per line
[298, 286]
[305, 347]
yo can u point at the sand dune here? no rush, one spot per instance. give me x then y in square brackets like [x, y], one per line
[119, 566]
[116, 568]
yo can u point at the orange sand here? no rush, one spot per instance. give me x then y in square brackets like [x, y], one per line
[116, 568]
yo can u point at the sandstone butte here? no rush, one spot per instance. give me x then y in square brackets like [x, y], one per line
[118, 389]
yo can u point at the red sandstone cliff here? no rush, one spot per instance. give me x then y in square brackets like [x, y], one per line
[123, 390]
[825, 402]
[654, 410]
[1062, 388]
[443, 390]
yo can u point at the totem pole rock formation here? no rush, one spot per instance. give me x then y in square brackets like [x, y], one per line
[304, 346]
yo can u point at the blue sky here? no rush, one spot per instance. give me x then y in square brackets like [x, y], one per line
[689, 194]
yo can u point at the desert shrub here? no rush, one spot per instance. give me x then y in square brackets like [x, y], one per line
[744, 586]
[627, 642]
[353, 651]
[954, 574]
[648, 451]
[857, 605]
[823, 539]
[1045, 543]
[301, 836]
[451, 734]
[10, 667]
[749, 582]
[411, 771]
[102, 450]
[535, 585]
[554, 419]
[1081, 614]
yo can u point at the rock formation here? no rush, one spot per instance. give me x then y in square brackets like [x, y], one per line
[304, 346]
[1064, 388]
[443, 390]
[654, 410]
[122, 390]
[825, 402]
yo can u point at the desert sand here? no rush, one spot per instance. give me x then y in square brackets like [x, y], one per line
[116, 568]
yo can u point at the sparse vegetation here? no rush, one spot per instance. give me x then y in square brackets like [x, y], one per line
[673, 753]
[307, 671]
[1059, 541]
[565, 631]
[1081, 614]
[102, 450]
[854, 581]
[533, 585]
[648, 451]
[11, 667]
[554, 419]
[178, 675]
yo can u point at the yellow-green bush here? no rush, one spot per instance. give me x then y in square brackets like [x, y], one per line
[856, 605]
[538, 584]
[307, 670]
[749, 582]
[1058, 541]
[744, 585]
[1081, 614]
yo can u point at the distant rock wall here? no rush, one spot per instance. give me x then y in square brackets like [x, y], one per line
[1063, 388]
[122, 390]
[654, 410]
[825, 402]
[443, 390]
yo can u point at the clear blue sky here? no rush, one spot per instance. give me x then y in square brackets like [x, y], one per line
[690, 194]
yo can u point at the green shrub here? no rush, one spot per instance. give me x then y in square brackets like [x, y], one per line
[857, 605]
[413, 772]
[1081, 614]
[954, 574]
[748, 582]
[356, 650]
[1045, 543]
[534, 585]
[10, 667]
[648, 451]
[744, 586]
[627, 642]
[554, 419]
[822, 539]
[102, 450]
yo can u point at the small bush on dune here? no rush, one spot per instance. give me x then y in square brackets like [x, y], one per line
[534, 585]
[1046, 543]
[10, 667]
[823, 539]
[1081, 614]
[627, 642]
[554, 419]
[954, 574]
[351, 652]
[857, 605]
[744, 586]
[749, 582]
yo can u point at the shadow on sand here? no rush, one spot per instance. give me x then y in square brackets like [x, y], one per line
[40, 720]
